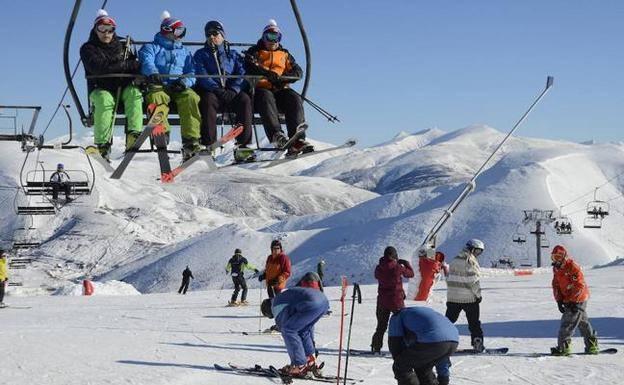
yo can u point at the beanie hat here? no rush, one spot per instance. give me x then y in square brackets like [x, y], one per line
[265, 308]
[169, 24]
[272, 29]
[103, 18]
[390, 252]
[214, 25]
[238, 251]
[310, 280]
[276, 243]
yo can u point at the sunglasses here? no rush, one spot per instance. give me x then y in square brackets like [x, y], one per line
[276, 248]
[177, 32]
[273, 37]
[105, 28]
[214, 33]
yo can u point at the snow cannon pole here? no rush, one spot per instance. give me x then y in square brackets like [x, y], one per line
[356, 294]
[343, 294]
[470, 186]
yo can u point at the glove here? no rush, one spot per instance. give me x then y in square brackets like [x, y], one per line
[479, 299]
[226, 94]
[177, 86]
[154, 80]
[273, 282]
[256, 271]
[272, 77]
[561, 306]
[261, 277]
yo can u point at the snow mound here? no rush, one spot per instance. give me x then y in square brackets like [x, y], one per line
[99, 288]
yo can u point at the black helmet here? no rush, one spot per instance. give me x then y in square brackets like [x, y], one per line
[214, 25]
[265, 308]
[276, 243]
[238, 251]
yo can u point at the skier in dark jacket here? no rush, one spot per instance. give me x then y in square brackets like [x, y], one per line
[296, 311]
[320, 269]
[390, 295]
[104, 54]
[236, 268]
[187, 274]
[273, 94]
[419, 338]
[222, 94]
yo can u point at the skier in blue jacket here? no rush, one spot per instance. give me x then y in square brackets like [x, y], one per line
[419, 339]
[167, 56]
[296, 311]
[226, 95]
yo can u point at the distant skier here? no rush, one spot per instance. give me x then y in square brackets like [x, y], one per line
[187, 274]
[236, 269]
[420, 338]
[273, 94]
[320, 269]
[390, 295]
[103, 54]
[464, 290]
[296, 311]
[571, 293]
[429, 268]
[4, 276]
[223, 94]
[60, 181]
[167, 56]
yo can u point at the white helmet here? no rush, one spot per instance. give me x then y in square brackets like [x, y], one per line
[475, 244]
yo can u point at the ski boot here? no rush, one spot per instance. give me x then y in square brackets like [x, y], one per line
[244, 303]
[301, 146]
[591, 345]
[104, 149]
[313, 367]
[477, 344]
[564, 350]
[242, 154]
[131, 138]
[296, 371]
[190, 147]
[279, 140]
[3, 305]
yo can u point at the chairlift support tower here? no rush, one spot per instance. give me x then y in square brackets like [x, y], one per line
[539, 217]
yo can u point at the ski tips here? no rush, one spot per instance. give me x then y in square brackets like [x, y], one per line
[549, 81]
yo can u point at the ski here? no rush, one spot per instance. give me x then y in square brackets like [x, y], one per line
[368, 353]
[271, 371]
[159, 136]
[157, 115]
[491, 351]
[301, 129]
[94, 153]
[206, 154]
[347, 144]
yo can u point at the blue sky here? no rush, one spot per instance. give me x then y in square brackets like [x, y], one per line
[381, 66]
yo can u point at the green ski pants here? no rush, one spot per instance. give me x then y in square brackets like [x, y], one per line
[103, 103]
[186, 102]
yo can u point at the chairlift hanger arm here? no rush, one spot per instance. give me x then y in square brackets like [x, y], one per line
[472, 184]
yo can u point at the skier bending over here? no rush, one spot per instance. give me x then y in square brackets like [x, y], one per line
[273, 94]
[187, 274]
[236, 269]
[296, 311]
[104, 54]
[390, 295]
[571, 293]
[464, 290]
[419, 339]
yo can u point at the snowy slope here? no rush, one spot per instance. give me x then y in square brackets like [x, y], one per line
[344, 207]
[163, 339]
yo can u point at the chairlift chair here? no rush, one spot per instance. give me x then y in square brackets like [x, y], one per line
[598, 208]
[545, 244]
[592, 222]
[519, 238]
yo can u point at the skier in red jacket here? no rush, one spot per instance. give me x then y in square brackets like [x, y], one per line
[390, 295]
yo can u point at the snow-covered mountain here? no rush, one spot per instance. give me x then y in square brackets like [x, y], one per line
[344, 207]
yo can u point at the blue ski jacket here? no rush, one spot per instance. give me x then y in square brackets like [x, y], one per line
[164, 56]
[231, 63]
[422, 325]
[295, 303]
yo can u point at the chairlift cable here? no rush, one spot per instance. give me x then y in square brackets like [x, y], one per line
[593, 189]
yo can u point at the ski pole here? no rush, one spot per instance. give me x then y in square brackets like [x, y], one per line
[342, 313]
[356, 293]
[260, 310]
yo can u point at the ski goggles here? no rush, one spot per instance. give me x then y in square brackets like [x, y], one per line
[105, 28]
[214, 32]
[178, 32]
[272, 37]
